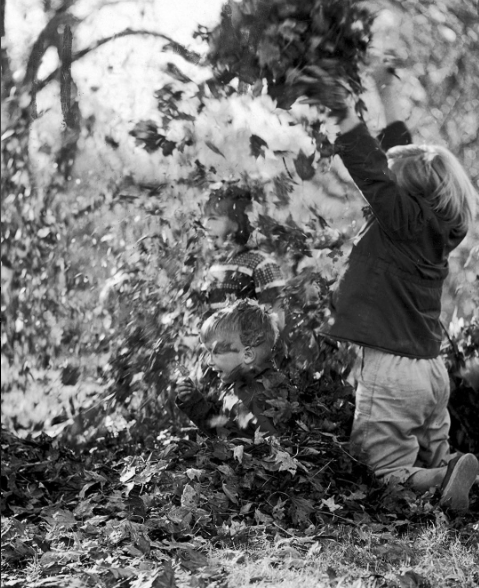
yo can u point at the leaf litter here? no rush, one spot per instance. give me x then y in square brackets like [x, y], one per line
[112, 515]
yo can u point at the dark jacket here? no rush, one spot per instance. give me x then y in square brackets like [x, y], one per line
[265, 401]
[389, 296]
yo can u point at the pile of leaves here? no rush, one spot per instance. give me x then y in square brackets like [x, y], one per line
[309, 48]
[115, 510]
[461, 354]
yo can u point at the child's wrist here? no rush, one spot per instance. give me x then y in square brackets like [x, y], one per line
[388, 86]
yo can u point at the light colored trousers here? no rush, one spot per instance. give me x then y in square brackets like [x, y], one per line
[401, 423]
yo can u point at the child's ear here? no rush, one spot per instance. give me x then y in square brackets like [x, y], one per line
[249, 355]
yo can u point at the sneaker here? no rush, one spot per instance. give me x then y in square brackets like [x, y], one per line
[460, 476]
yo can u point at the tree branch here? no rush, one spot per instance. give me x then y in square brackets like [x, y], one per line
[190, 56]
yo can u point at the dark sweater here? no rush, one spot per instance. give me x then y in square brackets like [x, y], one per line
[389, 296]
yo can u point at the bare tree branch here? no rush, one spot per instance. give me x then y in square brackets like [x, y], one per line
[181, 50]
[66, 76]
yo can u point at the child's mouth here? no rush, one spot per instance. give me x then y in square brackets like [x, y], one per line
[213, 243]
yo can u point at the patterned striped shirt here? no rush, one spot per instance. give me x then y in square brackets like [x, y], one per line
[249, 274]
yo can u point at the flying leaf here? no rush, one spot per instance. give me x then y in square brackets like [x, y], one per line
[213, 148]
[257, 146]
[304, 166]
[282, 188]
[176, 73]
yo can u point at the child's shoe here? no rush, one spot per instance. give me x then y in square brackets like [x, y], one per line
[460, 476]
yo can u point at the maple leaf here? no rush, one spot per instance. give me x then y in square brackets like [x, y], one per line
[231, 492]
[301, 508]
[192, 559]
[281, 461]
[165, 578]
[167, 147]
[304, 166]
[189, 497]
[135, 504]
[193, 473]
[262, 518]
[330, 504]
[283, 187]
[257, 145]
[181, 515]
[238, 453]
[268, 53]
[280, 410]
[356, 495]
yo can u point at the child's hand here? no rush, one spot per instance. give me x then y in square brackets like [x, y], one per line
[185, 389]
[382, 70]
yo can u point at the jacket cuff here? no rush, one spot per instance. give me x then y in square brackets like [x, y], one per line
[394, 134]
[193, 400]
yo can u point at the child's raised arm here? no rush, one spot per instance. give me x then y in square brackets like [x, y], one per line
[382, 71]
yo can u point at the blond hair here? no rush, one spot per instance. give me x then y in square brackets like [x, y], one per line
[246, 319]
[433, 172]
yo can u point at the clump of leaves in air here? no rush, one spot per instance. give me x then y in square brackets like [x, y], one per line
[309, 48]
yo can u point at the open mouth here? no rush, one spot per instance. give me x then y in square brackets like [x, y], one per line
[213, 243]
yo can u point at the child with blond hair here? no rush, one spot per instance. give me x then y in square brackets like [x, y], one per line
[388, 300]
[239, 341]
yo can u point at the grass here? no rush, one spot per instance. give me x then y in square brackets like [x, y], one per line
[428, 557]
[358, 558]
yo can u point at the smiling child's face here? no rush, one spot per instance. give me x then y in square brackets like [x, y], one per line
[220, 228]
[227, 358]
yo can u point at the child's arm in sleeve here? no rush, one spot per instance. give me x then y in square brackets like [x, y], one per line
[196, 407]
[269, 283]
[388, 86]
[399, 214]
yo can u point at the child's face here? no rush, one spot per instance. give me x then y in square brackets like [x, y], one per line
[228, 358]
[220, 229]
